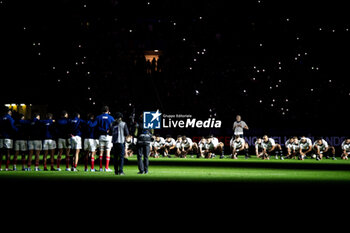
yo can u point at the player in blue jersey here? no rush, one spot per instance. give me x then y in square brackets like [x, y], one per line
[35, 141]
[90, 141]
[21, 141]
[103, 130]
[63, 142]
[7, 131]
[49, 143]
[76, 144]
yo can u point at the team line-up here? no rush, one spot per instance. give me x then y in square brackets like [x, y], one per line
[101, 133]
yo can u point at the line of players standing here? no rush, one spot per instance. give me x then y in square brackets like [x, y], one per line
[36, 135]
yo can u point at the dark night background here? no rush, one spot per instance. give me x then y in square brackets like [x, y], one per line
[281, 65]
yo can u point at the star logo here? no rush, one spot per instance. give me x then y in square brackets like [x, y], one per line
[151, 120]
[156, 115]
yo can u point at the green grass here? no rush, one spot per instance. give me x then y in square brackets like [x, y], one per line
[205, 171]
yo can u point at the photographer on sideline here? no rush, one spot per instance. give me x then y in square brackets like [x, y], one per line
[144, 139]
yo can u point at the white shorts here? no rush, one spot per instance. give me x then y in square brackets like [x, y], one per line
[49, 144]
[21, 145]
[105, 142]
[7, 143]
[35, 145]
[186, 146]
[201, 146]
[178, 145]
[75, 142]
[215, 144]
[63, 143]
[90, 144]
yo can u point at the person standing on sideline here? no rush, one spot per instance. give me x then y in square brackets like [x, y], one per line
[119, 133]
[239, 126]
[144, 139]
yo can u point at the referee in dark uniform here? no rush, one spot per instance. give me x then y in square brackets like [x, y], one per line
[144, 139]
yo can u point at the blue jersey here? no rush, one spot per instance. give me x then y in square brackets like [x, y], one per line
[48, 128]
[7, 127]
[35, 129]
[22, 130]
[104, 123]
[89, 129]
[75, 126]
[62, 128]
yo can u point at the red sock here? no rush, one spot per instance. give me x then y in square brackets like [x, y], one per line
[58, 162]
[107, 162]
[36, 163]
[101, 158]
[67, 161]
[75, 165]
[7, 163]
[92, 162]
